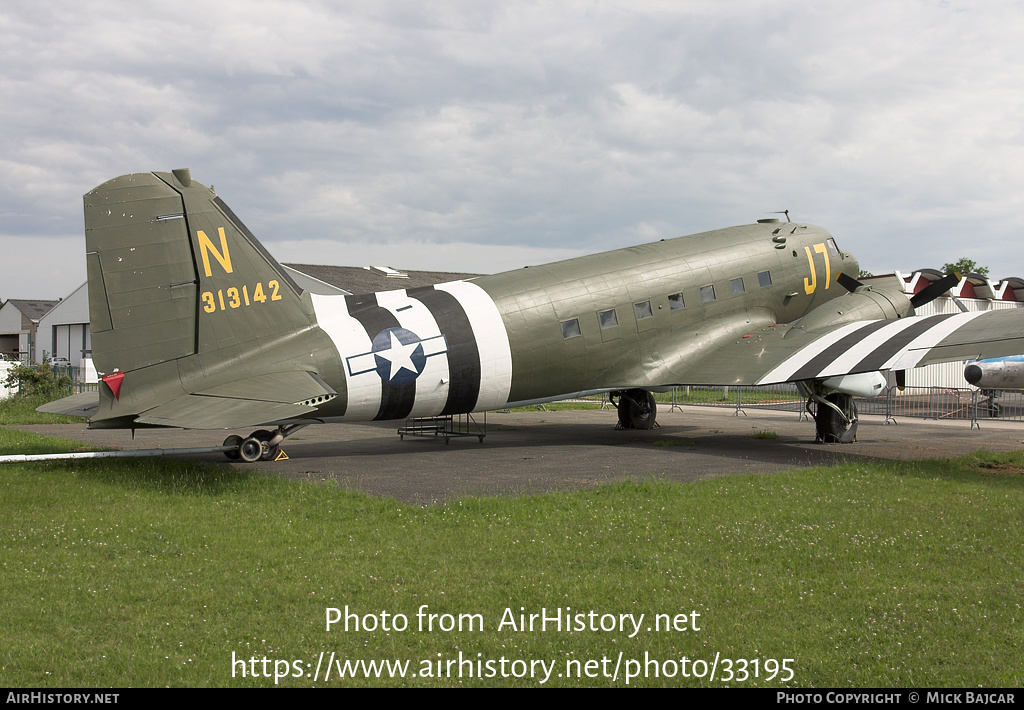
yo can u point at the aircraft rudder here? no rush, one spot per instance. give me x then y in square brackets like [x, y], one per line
[141, 274]
[168, 261]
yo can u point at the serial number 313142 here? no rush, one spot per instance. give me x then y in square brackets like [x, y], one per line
[234, 298]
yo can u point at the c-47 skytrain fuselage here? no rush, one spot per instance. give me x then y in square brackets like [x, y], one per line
[195, 325]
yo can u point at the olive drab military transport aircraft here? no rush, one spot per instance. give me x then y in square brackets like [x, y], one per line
[195, 325]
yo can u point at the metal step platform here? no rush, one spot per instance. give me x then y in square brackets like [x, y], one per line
[447, 427]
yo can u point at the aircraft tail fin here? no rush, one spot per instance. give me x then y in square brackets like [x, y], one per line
[173, 273]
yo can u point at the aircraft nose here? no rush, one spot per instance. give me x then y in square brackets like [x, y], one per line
[972, 373]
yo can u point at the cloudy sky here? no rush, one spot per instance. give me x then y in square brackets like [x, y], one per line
[484, 136]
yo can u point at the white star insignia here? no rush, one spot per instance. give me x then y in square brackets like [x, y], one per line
[399, 355]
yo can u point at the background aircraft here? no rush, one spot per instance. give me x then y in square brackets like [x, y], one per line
[997, 373]
[993, 375]
[195, 325]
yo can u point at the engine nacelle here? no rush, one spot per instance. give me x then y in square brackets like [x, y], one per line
[864, 384]
[873, 302]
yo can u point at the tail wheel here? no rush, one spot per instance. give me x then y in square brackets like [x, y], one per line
[251, 450]
[257, 446]
[269, 453]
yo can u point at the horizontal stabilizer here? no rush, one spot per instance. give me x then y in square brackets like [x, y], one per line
[83, 404]
[286, 387]
[258, 399]
[200, 412]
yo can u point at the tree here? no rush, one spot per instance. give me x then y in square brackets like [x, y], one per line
[965, 266]
[32, 380]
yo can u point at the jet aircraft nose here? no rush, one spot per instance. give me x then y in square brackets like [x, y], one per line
[972, 373]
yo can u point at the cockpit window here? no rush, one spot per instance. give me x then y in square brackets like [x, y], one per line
[833, 249]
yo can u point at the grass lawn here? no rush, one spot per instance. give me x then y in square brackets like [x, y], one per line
[155, 572]
[22, 410]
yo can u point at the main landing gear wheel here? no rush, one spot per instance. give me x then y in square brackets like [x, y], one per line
[989, 403]
[836, 424]
[637, 409]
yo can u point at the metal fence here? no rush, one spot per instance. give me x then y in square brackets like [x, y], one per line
[974, 406]
[77, 375]
[937, 403]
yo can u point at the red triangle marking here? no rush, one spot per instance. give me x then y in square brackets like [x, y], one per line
[114, 383]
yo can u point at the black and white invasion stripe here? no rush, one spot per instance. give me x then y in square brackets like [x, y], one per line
[473, 371]
[868, 346]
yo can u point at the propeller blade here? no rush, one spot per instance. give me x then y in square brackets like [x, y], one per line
[901, 379]
[848, 282]
[934, 290]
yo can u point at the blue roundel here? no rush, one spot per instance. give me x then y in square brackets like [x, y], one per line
[399, 355]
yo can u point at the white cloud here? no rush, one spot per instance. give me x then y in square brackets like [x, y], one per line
[45, 268]
[555, 128]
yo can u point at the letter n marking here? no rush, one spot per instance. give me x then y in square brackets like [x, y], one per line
[206, 246]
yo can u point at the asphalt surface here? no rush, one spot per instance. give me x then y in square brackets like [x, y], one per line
[535, 452]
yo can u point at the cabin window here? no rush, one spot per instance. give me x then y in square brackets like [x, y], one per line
[608, 318]
[643, 310]
[571, 328]
[764, 278]
[707, 294]
[736, 285]
[675, 301]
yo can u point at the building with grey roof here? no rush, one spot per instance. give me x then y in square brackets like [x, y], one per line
[19, 321]
[64, 331]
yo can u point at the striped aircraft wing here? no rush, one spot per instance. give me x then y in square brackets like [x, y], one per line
[902, 344]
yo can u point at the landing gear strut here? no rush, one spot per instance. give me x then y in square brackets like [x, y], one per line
[835, 422]
[261, 445]
[637, 409]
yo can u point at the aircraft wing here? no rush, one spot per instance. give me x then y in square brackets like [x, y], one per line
[751, 354]
[254, 400]
[903, 344]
